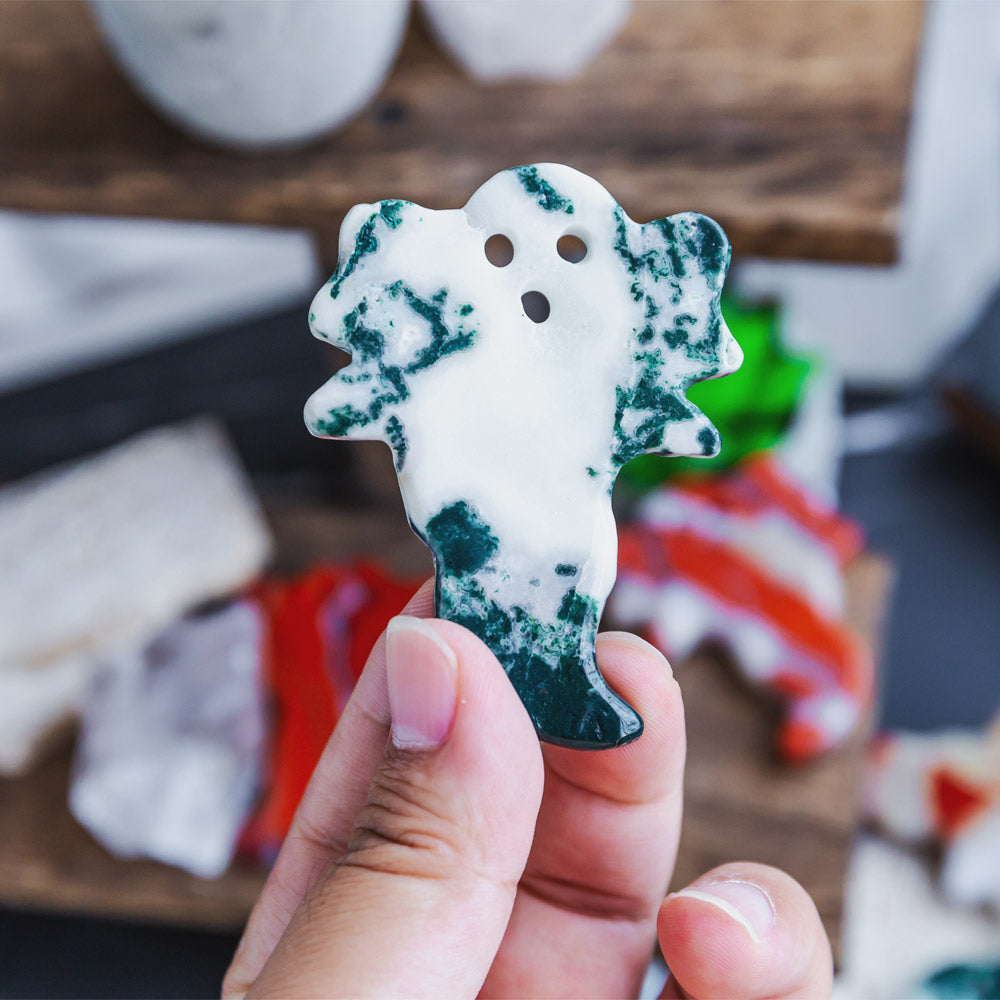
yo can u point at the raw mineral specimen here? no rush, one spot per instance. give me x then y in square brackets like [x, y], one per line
[515, 354]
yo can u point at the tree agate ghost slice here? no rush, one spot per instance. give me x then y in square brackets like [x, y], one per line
[515, 354]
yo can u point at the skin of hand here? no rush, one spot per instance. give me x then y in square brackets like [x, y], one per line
[440, 851]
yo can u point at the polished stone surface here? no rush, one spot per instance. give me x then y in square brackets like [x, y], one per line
[515, 354]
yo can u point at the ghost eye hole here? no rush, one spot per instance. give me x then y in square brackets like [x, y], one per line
[536, 306]
[499, 250]
[571, 248]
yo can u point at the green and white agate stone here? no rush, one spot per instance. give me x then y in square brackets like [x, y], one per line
[509, 431]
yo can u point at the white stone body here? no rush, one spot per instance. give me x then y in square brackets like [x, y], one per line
[523, 421]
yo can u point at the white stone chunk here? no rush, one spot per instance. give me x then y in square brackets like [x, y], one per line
[530, 39]
[108, 551]
[255, 74]
[169, 755]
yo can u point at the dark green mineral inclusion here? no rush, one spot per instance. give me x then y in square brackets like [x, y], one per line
[342, 419]
[391, 382]
[464, 542]
[674, 255]
[656, 264]
[397, 440]
[680, 333]
[551, 664]
[965, 982]
[709, 441]
[366, 242]
[540, 189]
[367, 344]
[647, 395]
[443, 341]
[649, 402]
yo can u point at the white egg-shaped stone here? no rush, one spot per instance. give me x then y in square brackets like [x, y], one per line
[254, 75]
[528, 39]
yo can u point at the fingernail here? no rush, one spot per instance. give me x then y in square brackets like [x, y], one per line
[747, 903]
[422, 676]
[638, 644]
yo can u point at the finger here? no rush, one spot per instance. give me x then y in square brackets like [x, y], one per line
[585, 917]
[419, 904]
[744, 931]
[325, 817]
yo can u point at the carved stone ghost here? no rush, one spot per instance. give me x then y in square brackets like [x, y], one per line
[513, 391]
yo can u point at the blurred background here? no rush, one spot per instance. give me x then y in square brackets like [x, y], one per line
[190, 584]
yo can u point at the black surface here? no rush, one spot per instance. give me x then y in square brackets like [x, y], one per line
[254, 376]
[934, 508]
[974, 366]
[47, 956]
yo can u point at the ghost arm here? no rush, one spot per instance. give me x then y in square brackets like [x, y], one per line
[350, 405]
[677, 267]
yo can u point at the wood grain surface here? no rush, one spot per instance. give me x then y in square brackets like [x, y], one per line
[740, 803]
[785, 121]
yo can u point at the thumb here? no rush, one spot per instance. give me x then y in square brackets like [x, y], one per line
[744, 931]
[419, 904]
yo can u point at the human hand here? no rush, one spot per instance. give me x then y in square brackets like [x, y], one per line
[456, 856]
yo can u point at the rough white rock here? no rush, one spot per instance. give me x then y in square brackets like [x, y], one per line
[111, 550]
[170, 747]
[534, 39]
[103, 555]
[255, 74]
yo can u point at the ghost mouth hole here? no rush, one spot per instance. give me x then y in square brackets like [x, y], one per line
[571, 248]
[536, 306]
[499, 250]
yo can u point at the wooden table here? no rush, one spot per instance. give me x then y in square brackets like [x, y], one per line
[740, 803]
[785, 121]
